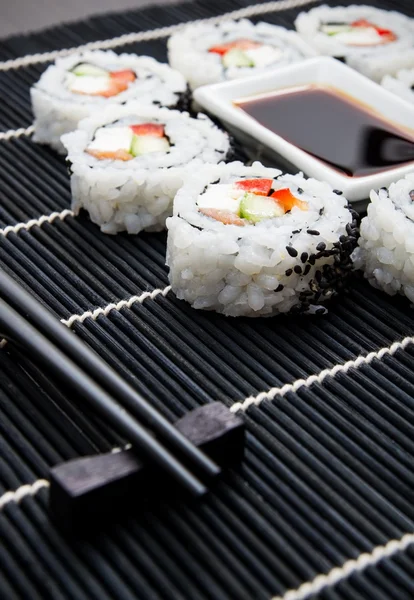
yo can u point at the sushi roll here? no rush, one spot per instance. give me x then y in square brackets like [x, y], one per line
[361, 35]
[82, 84]
[402, 84]
[383, 63]
[210, 53]
[250, 241]
[386, 246]
[128, 162]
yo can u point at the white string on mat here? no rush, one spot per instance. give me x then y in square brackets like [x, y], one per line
[305, 590]
[16, 133]
[153, 34]
[105, 310]
[94, 314]
[39, 222]
[320, 377]
[274, 391]
[22, 492]
[351, 566]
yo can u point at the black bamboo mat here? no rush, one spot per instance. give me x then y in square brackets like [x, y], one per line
[328, 472]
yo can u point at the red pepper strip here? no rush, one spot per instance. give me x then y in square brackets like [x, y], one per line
[256, 186]
[287, 200]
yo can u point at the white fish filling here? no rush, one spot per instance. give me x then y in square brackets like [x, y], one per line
[360, 36]
[222, 196]
[228, 197]
[87, 84]
[112, 139]
[264, 55]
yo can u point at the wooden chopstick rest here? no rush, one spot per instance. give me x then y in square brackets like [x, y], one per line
[86, 490]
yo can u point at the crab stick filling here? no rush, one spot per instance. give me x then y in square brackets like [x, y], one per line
[91, 80]
[248, 201]
[246, 53]
[127, 142]
[359, 33]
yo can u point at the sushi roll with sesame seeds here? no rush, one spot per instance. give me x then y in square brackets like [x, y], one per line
[81, 85]
[250, 241]
[128, 162]
[371, 40]
[208, 53]
[386, 247]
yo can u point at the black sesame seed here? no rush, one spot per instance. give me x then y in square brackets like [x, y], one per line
[338, 192]
[291, 251]
[304, 257]
[279, 288]
[312, 232]
[307, 269]
[321, 246]
[300, 191]
[297, 231]
[343, 239]
[321, 211]
[288, 272]
[312, 259]
[318, 276]
[298, 269]
[411, 195]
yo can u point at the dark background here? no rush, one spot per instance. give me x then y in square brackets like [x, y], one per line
[21, 16]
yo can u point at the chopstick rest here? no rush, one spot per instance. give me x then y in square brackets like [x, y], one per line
[28, 323]
[88, 490]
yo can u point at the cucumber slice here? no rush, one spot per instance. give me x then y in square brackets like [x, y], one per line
[257, 208]
[144, 144]
[334, 29]
[237, 58]
[89, 70]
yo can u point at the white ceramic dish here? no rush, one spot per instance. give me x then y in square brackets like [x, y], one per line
[219, 99]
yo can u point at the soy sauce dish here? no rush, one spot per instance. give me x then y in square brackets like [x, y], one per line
[323, 118]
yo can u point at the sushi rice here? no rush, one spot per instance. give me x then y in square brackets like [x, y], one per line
[258, 260]
[207, 54]
[136, 191]
[371, 40]
[74, 88]
[383, 63]
[386, 246]
[402, 84]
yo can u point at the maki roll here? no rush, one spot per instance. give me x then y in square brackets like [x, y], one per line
[378, 66]
[402, 84]
[128, 162]
[210, 53]
[82, 84]
[361, 35]
[386, 246]
[250, 241]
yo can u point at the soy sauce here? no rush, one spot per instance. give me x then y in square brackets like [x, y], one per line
[334, 128]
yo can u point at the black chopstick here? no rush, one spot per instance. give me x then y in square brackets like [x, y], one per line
[16, 328]
[64, 339]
